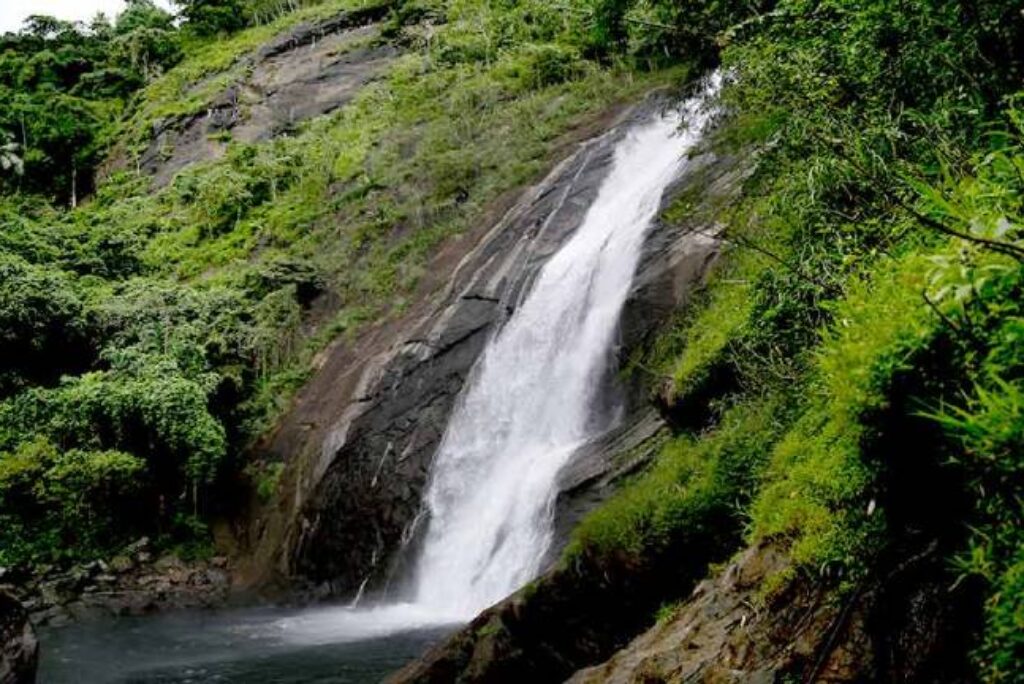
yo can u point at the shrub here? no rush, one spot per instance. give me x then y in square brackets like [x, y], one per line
[695, 489]
[43, 328]
[154, 412]
[819, 481]
[67, 504]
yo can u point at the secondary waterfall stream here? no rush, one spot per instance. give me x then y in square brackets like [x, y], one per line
[528, 405]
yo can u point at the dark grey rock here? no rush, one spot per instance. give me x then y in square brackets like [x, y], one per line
[312, 70]
[87, 591]
[19, 648]
[361, 513]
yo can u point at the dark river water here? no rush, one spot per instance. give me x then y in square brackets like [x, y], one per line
[319, 645]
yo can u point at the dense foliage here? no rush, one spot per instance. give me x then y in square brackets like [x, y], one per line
[871, 287]
[64, 84]
[860, 342]
[211, 17]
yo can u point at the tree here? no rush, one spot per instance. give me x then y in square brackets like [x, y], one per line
[208, 17]
[143, 14]
[145, 39]
[62, 83]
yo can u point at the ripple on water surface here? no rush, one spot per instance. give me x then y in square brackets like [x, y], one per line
[312, 646]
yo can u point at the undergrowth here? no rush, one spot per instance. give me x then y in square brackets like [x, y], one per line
[870, 284]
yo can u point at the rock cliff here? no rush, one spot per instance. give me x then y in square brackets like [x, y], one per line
[309, 71]
[361, 436]
[19, 649]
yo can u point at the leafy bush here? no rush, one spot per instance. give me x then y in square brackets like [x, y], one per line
[212, 17]
[148, 408]
[43, 327]
[207, 17]
[1002, 650]
[56, 504]
[695, 489]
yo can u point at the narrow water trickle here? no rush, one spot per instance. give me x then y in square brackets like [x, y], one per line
[528, 405]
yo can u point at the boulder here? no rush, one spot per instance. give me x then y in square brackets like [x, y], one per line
[19, 648]
[121, 564]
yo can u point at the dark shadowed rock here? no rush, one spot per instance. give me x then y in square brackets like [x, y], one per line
[132, 583]
[577, 614]
[361, 437]
[897, 626]
[19, 649]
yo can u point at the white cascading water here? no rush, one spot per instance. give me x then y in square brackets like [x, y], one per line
[529, 402]
[528, 405]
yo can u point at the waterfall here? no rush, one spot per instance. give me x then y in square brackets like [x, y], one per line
[528, 404]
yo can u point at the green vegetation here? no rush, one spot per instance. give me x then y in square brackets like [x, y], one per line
[859, 342]
[816, 487]
[63, 86]
[63, 499]
[692, 491]
[871, 291]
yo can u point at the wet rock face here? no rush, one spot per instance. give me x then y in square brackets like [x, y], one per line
[676, 258]
[19, 649]
[360, 440]
[370, 435]
[310, 71]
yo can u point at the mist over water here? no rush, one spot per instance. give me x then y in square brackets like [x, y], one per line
[245, 646]
[528, 405]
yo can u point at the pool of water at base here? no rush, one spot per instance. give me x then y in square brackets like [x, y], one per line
[254, 646]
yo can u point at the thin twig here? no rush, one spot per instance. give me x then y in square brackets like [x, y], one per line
[959, 330]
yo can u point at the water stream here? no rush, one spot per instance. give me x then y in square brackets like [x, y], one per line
[529, 402]
[527, 407]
